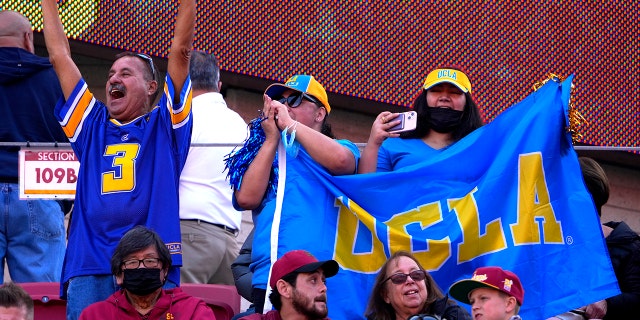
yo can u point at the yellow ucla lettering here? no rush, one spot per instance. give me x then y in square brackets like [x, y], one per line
[478, 237]
[473, 243]
[426, 215]
[533, 202]
[347, 233]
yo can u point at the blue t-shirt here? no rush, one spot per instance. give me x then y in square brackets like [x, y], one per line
[128, 176]
[396, 153]
[299, 181]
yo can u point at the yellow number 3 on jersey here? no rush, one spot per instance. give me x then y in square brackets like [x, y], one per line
[123, 177]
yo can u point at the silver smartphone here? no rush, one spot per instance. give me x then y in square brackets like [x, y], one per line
[408, 121]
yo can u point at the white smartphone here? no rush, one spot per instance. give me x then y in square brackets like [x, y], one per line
[408, 122]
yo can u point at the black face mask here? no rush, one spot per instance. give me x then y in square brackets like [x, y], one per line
[444, 120]
[141, 281]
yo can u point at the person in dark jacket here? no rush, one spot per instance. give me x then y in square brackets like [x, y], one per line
[241, 271]
[34, 244]
[403, 289]
[140, 263]
[623, 245]
[242, 275]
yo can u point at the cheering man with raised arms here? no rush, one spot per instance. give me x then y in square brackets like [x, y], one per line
[130, 151]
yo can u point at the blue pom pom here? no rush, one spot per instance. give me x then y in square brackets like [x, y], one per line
[237, 162]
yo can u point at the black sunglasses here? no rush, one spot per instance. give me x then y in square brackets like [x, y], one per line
[423, 316]
[399, 278]
[295, 99]
[149, 61]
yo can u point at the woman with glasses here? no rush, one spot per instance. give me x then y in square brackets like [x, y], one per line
[295, 113]
[404, 290]
[140, 264]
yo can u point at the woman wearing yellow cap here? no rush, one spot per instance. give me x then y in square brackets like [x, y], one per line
[294, 112]
[445, 114]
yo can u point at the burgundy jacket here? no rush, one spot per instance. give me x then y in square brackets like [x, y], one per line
[271, 315]
[172, 304]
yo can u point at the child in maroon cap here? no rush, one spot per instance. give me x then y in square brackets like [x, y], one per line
[493, 293]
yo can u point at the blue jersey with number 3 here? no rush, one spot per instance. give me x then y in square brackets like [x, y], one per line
[128, 176]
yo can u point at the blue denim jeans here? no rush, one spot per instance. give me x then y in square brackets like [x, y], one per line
[32, 237]
[85, 290]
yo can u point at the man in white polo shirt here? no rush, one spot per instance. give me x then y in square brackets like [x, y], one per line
[208, 222]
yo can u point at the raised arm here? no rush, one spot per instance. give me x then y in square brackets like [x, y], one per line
[178, 62]
[255, 180]
[327, 152]
[369, 158]
[58, 48]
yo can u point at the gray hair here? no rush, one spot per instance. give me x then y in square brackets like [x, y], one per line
[204, 71]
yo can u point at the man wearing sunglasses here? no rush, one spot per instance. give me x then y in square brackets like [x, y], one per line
[130, 152]
[296, 110]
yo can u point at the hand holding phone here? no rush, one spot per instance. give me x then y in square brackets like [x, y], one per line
[408, 122]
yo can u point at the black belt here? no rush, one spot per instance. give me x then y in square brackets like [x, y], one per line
[221, 226]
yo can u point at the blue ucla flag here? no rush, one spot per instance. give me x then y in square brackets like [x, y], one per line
[510, 194]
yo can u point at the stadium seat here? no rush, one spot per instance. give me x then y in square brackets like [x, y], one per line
[223, 299]
[46, 300]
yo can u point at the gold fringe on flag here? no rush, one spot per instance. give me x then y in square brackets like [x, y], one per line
[576, 120]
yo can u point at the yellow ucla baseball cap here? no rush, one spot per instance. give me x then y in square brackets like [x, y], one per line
[453, 76]
[301, 83]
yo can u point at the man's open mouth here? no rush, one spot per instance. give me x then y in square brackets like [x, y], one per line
[117, 91]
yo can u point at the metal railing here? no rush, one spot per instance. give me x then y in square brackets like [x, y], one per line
[359, 144]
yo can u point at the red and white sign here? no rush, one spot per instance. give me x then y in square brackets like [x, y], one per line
[48, 173]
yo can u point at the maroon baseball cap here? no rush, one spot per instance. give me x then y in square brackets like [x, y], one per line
[300, 261]
[488, 277]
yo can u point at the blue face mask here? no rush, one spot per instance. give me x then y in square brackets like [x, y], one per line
[444, 120]
[142, 281]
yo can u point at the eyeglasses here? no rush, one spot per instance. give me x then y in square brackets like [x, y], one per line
[147, 262]
[399, 278]
[295, 99]
[424, 317]
[149, 61]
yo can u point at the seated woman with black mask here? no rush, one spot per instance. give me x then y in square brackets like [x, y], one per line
[140, 265]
